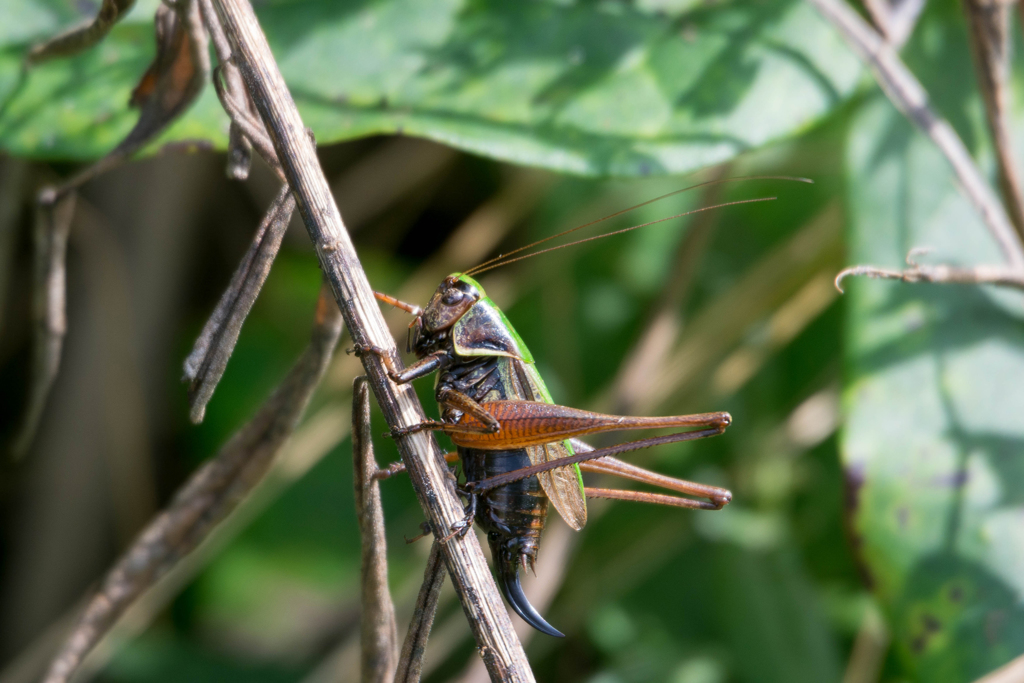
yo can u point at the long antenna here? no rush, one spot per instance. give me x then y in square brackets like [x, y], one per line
[500, 257]
[485, 267]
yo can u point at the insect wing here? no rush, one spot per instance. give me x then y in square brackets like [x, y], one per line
[564, 485]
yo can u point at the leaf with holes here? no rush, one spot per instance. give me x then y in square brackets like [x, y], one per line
[934, 442]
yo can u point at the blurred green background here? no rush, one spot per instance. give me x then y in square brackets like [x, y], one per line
[877, 528]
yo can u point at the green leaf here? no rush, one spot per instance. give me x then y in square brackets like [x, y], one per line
[934, 441]
[598, 88]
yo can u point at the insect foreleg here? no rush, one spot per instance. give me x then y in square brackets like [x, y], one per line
[486, 423]
[462, 402]
[421, 368]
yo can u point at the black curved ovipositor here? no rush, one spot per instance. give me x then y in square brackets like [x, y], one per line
[513, 590]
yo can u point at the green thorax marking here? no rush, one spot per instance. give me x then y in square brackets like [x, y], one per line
[484, 330]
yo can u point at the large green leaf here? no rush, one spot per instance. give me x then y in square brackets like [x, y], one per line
[934, 441]
[608, 88]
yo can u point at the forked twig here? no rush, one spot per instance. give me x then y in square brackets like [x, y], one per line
[378, 631]
[907, 94]
[414, 648]
[465, 560]
[246, 130]
[208, 496]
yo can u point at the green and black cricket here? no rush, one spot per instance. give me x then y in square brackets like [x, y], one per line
[516, 445]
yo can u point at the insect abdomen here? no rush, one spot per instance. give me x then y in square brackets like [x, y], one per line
[513, 516]
[516, 511]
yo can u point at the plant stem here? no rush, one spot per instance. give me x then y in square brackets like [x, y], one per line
[435, 488]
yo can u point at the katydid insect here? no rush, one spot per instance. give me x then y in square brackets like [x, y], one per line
[518, 448]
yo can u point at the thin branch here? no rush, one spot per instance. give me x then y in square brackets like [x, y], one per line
[907, 94]
[978, 275]
[246, 129]
[247, 124]
[50, 233]
[463, 556]
[378, 631]
[989, 21]
[239, 146]
[81, 37]
[208, 496]
[205, 366]
[410, 665]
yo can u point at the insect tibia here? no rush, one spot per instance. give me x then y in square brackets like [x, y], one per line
[412, 309]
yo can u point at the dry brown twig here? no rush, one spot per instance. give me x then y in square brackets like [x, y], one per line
[208, 360]
[50, 241]
[378, 631]
[205, 366]
[907, 94]
[239, 144]
[463, 556]
[414, 648]
[977, 275]
[208, 496]
[989, 21]
[82, 37]
[501, 651]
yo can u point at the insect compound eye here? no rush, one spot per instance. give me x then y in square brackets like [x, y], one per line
[451, 297]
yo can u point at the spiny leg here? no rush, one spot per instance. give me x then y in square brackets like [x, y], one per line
[461, 527]
[523, 473]
[718, 496]
[458, 528]
[656, 498]
[420, 368]
[485, 423]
